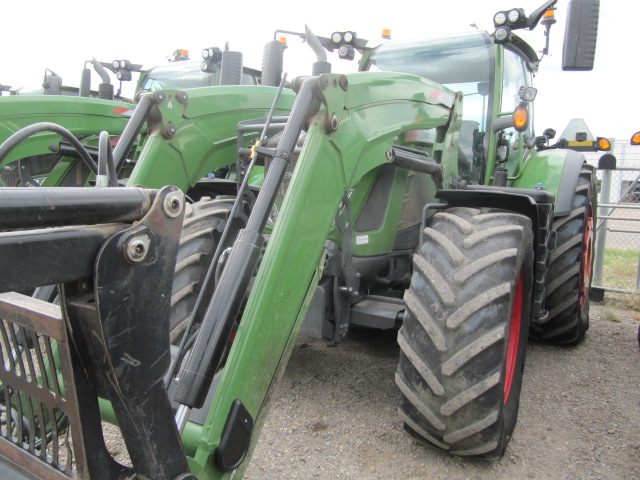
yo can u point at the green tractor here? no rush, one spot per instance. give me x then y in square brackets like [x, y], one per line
[49, 160]
[412, 194]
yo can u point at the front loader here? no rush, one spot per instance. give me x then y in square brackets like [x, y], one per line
[48, 159]
[420, 200]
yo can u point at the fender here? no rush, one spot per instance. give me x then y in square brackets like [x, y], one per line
[558, 172]
[533, 203]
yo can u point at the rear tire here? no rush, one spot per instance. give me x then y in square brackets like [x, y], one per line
[570, 269]
[464, 334]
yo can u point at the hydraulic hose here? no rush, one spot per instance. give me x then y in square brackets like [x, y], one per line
[26, 132]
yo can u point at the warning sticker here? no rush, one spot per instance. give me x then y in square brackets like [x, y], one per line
[362, 239]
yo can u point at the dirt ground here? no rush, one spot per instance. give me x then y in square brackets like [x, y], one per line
[334, 414]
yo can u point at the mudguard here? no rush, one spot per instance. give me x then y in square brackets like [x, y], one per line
[556, 171]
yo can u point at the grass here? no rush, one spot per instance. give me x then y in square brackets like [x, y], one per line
[620, 271]
[620, 268]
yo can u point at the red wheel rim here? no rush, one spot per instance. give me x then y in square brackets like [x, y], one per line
[514, 339]
[587, 253]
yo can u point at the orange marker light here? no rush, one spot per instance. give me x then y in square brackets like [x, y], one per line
[521, 119]
[282, 40]
[603, 143]
[386, 33]
[635, 140]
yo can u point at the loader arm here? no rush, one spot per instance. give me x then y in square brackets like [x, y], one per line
[360, 118]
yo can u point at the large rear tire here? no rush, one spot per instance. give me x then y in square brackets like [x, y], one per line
[570, 268]
[464, 334]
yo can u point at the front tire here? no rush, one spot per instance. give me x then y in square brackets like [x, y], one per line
[465, 329]
[204, 222]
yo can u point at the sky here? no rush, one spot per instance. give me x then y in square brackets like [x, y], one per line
[37, 34]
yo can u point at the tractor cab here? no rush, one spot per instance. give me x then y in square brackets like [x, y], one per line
[463, 63]
[217, 68]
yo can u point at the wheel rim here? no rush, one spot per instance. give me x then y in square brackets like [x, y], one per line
[587, 253]
[514, 339]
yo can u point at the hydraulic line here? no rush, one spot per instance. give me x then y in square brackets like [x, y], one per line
[30, 130]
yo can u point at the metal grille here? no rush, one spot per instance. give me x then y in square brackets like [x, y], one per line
[38, 403]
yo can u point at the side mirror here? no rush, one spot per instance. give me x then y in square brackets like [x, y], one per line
[272, 63]
[85, 82]
[52, 84]
[581, 35]
[231, 68]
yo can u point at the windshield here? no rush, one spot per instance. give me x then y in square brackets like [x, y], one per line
[461, 62]
[176, 76]
[184, 75]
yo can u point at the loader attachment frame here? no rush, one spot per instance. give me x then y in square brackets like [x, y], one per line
[109, 339]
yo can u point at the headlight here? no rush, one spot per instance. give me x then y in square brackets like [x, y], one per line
[499, 19]
[502, 34]
[336, 37]
[348, 37]
[514, 15]
[115, 64]
[205, 53]
[527, 94]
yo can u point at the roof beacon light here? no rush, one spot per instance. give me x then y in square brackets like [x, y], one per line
[549, 17]
[635, 139]
[386, 33]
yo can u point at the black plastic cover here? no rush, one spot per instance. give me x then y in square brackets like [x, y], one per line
[607, 162]
[236, 437]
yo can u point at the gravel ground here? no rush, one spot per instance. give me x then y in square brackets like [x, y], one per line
[334, 414]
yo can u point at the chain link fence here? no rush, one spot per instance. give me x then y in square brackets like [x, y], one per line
[617, 250]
